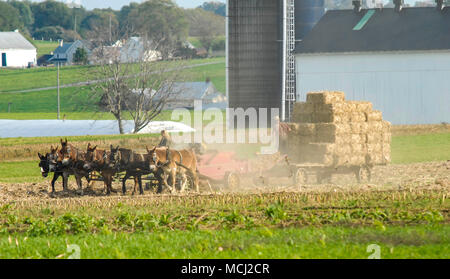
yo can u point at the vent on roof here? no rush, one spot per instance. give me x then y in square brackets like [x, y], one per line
[357, 6]
[440, 4]
[398, 5]
[364, 20]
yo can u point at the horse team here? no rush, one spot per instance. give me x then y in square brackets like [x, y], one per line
[171, 168]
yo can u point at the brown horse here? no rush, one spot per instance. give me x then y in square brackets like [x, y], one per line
[179, 162]
[71, 160]
[105, 162]
[135, 165]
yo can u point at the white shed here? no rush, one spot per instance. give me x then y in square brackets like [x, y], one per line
[399, 61]
[16, 51]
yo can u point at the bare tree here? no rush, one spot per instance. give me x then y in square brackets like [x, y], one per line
[134, 82]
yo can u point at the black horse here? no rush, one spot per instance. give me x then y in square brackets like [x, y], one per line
[49, 163]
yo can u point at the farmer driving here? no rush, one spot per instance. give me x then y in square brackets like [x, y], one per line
[166, 141]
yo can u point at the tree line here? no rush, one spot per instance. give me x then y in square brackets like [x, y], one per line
[161, 20]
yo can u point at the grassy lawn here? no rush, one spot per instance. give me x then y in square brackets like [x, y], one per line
[44, 47]
[319, 243]
[215, 72]
[35, 105]
[420, 148]
[72, 99]
[22, 79]
[20, 171]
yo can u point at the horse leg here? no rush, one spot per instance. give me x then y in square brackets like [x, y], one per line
[65, 181]
[135, 177]
[79, 183]
[108, 182]
[89, 185]
[124, 181]
[174, 181]
[160, 182]
[141, 191]
[165, 177]
[197, 183]
[56, 175]
[111, 180]
[183, 182]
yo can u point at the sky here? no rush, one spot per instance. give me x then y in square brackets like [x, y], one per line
[117, 4]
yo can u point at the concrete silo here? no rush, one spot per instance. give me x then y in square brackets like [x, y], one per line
[261, 35]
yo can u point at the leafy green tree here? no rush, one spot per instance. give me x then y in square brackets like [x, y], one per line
[52, 13]
[123, 18]
[9, 17]
[216, 7]
[80, 56]
[56, 33]
[160, 21]
[26, 15]
[96, 26]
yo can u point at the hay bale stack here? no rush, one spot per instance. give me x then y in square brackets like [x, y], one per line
[329, 130]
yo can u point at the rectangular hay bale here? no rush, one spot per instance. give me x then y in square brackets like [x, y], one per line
[301, 117]
[303, 107]
[375, 115]
[325, 97]
[357, 117]
[361, 106]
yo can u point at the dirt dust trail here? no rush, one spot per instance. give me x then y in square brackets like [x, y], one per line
[418, 176]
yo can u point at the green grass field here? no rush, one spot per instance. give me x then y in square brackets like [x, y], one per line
[35, 105]
[395, 242]
[407, 224]
[420, 148]
[44, 47]
[22, 79]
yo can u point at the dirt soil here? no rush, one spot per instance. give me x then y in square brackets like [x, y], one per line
[432, 175]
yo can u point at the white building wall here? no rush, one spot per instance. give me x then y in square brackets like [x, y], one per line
[408, 87]
[18, 58]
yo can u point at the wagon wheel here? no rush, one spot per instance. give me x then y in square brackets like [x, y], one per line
[299, 178]
[233, 180]
[189, 184]
[364, 174]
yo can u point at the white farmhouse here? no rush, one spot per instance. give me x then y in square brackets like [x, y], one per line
[16, 51]
[397, 58]
[137, 49]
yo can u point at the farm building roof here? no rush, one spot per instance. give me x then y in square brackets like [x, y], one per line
[194, 90]
[14, 40]
[411, 29]
[63, 48]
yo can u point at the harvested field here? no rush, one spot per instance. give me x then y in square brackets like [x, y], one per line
[419, 176]
[405, 210]
[403, 216]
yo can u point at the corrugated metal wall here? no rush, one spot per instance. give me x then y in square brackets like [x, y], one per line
[409, 88]
[254, 53]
